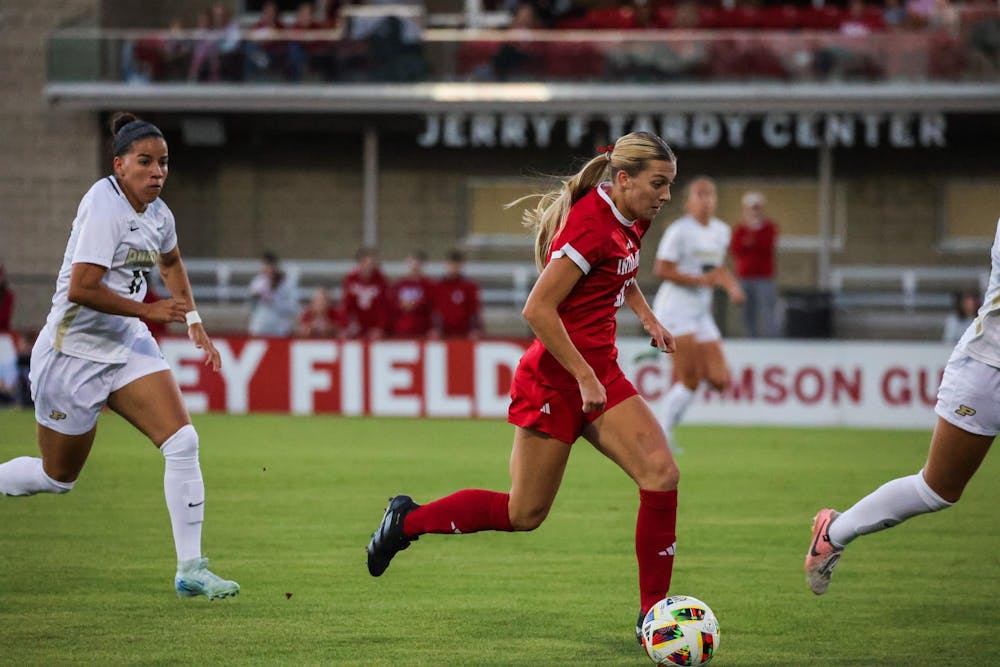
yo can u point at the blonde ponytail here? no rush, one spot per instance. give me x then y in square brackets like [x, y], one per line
[548, 216]
[631, 153]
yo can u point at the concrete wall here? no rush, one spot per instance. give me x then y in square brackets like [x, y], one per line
[49, 158]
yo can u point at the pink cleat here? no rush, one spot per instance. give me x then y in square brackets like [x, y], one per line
[822, 556]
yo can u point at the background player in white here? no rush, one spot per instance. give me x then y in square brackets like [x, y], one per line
[94, 349]
[691, 261]
[968, 410]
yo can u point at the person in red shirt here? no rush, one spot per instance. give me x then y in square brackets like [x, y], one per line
[6, 301]
[320, 318]
[456, 302]
[366, 294]
[410, 300]
[752, 247]
[568, 383]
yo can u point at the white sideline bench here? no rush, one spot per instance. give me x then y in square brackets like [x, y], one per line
[227, 280]
[907, 280]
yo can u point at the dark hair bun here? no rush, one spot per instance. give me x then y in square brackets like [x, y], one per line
[120, 120]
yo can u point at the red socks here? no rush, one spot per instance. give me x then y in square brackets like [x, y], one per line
[655, 541]
[466, 511]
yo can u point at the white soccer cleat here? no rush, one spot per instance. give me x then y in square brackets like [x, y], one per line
[194, 578]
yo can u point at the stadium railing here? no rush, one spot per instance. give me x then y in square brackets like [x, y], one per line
[226, 281]
[903, 287]
[569, 55]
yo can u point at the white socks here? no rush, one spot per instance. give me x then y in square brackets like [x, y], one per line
[184, 491]
[678, 399]
[24, 476]
[890, 504]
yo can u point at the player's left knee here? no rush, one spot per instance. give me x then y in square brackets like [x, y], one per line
[182, 446]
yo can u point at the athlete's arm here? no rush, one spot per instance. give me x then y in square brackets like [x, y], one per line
[176, 279]
[728, 282]
[86, 287]
[541, 314]
[666, 270]
[661, 338]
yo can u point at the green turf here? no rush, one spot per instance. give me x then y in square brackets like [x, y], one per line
[87, 578]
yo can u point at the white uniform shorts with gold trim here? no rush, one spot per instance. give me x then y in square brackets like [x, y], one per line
[969, 396]
[70, 392]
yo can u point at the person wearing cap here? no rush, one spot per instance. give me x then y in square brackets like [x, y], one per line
[752, 247]
[95, 349]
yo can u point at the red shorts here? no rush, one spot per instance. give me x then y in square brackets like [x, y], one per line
[558, 411]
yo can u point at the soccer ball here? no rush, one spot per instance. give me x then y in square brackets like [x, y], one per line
[680, 630]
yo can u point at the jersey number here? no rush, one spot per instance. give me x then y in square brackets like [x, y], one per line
[136, 284]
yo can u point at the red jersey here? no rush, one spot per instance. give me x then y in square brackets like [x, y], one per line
[605, 245]
[322, 324]
[752, 249]
[456, 305]
[6, 309]
[365, 301]
[410, 303]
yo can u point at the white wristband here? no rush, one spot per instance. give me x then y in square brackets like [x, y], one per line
[192, 317]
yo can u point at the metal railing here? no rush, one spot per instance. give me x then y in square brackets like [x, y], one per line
[227, 280]
[908, 287]
[449, 55]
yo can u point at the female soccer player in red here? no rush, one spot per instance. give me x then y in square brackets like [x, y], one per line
[569, 383]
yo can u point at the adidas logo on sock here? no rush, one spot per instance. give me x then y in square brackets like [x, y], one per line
[669, 551]
[546, 409]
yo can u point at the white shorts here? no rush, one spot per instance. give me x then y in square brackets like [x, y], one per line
[969, 396]
[702, 326]
[70, 392]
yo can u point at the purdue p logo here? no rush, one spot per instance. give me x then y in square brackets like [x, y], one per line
[964, 411]
[55, 414]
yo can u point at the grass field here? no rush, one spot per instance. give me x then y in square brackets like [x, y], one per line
[87, 578]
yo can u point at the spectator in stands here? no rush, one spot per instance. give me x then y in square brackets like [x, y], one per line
[894, 14]
[274, 302]
[514, 59]
[205, 53]
[6, 301]
[691, 261]
[8, 370]
[755, 238]
[320, 318]
[261, 50]
[411, 300]
[218, 48]
[456, 302]
[964, 313]
[546, 13]
[366, 297]
[306, 54]
[859, 21]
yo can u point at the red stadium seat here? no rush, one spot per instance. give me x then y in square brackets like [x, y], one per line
[473, 55]
[612, 18]
[664, 17]
[781, 17]
[826, 17]
[573, 60]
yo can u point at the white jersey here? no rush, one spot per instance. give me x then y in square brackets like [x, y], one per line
[981, 340]
[108, 232]
[695, 248]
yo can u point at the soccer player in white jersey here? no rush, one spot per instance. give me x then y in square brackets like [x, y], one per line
[691, 261]
[968, 413]
[95, 351]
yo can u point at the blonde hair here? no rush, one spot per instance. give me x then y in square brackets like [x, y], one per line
[631, 153]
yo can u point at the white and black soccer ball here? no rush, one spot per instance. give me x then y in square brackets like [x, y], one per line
[680, 630]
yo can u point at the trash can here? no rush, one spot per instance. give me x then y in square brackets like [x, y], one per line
[808, 313]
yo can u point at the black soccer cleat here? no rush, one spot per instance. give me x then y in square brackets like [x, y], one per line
[389, 539]
[638, 627]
